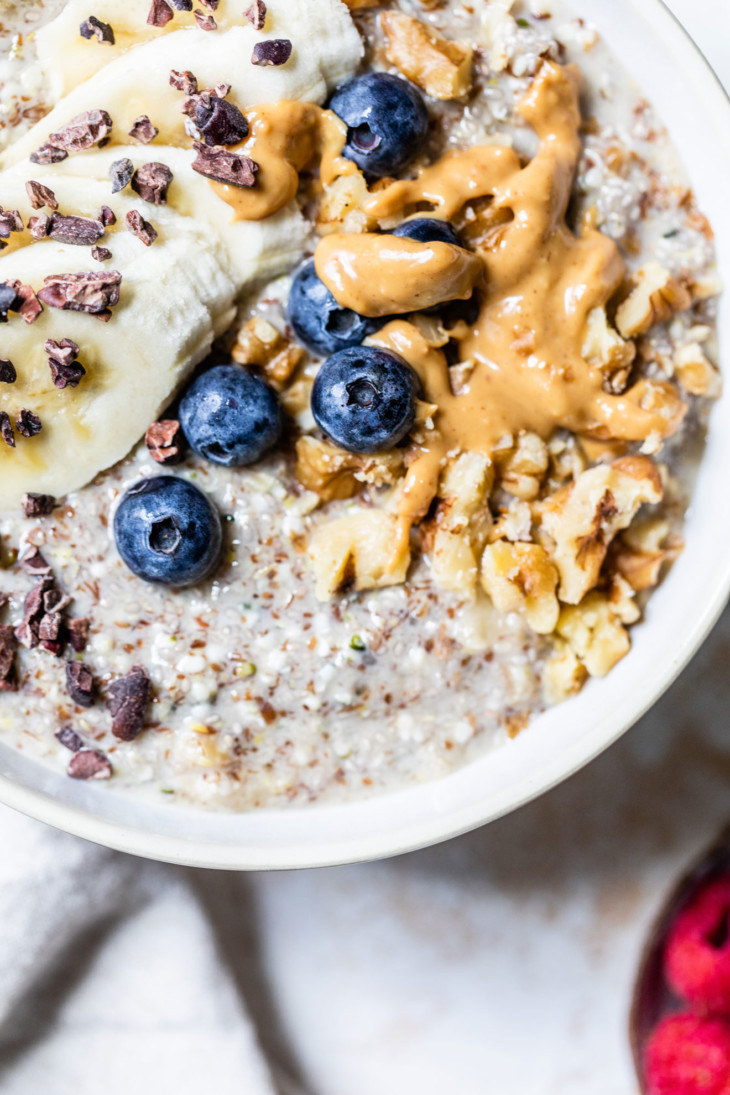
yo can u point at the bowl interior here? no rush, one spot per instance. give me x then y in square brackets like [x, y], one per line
[691, 103]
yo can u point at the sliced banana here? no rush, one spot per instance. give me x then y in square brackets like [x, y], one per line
[178, 294]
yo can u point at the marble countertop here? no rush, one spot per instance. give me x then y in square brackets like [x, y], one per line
[502, 962]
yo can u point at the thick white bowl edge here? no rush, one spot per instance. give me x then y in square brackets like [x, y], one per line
[692, 103]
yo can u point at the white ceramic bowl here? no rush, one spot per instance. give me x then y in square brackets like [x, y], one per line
[691, 102]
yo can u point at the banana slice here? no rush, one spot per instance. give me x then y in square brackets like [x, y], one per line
[178, 294]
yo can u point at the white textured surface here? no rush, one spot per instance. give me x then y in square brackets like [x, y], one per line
[497, 964]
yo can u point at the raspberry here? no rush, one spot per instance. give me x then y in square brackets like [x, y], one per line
[697, 956]
[687, 1055]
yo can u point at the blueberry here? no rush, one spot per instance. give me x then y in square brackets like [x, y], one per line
[364, 398]
[386, 121]
[318, 320]
[168, 531]
[229, 416]
[428, 230]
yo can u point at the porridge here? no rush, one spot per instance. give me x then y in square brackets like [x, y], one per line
[349, 394]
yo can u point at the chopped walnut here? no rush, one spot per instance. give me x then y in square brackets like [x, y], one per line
[260, 344]
[695, 372]
[595, 633]
[439, 66]
[456, 535]
[655, 298]
[362, 550]
[564, 674]
[606, 350]
[340, 209]
[583, 519]
[515, 523]
[333, 473]
[520, 578]
[642, 552]
[522, 468]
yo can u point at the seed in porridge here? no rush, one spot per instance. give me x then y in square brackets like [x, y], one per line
[8, 374]
[28, 423]
[90, 292]
[256, 14]
[89, 764]
[165, 441]
[230, 416]
[79, 231]
[69, 739]
[141, 228]
[143, 130]
[225, 167]
[66, 370]
[386, 120]
[356, 643]
[322, 324]
[364, 399]
[151, 182]
[38, 505]
[160, 14]
[204, 21]
[275, 51]
[40, 195]
[220, 122]
[168, 531]
[94, 28]
[101, 254]
[120, 173]
[127, 701]
[80, 683]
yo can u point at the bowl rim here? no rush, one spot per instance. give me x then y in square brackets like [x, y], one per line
[443, 824]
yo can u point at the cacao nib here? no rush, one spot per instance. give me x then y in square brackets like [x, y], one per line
[120, 173]
[66, 371]
[64, 351]
[152, 181]
[8, 374]
[48, 153]
[28, 631]
[6, 429]
[220, 122]
[225, 167]
[182, 5]
[89, 764]
[34, 563]
[143, 130]
[80, 683]
[101, 254]
[55, 600]
[69, 738]
[107, 216]
[40, 226]
[40, 195]
[10, 221]
[49, 632]
[94, 292]
[75, 230]
[164, 439]
[38, 505]
[78, 634]
[127, 700]
[29, 424]
[184, 81]
[92, 127]
[205, 22]
[256, 14]
[160, 14]
[27, 303]
[141, 228]
[275, 51]
[8, 645]
[211, 5]
[8, 297]
[221, 90]
[93, 27]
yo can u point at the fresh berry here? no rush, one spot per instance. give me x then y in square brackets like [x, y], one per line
[386, 121]
[168, 531]
[428, 230]
[365, 399]
[697, 956]
[322, 324]
[688, 1055]
[230, 417]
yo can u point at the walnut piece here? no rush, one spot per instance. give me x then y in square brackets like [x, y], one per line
[333, 473]
[695, 372]
[520, 578]
[595, 633]
[582, 519]
[641, 553]
[655, 298]
[564, 673]
[361, 550]
[441, 67]
[456, 536]
[606, 350]
[340, 208]
[260, 344]
[522, 468]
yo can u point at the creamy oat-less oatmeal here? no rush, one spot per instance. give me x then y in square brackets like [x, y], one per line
[353, 366]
